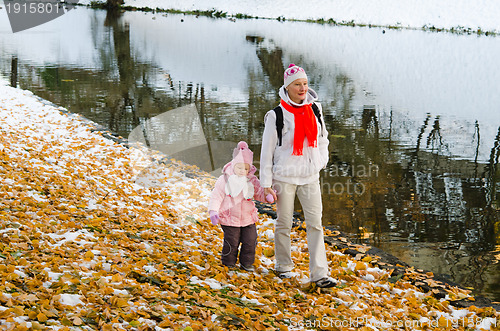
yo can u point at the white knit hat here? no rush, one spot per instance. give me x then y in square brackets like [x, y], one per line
[292, 73]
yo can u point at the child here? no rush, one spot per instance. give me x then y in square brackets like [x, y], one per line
[231, 205]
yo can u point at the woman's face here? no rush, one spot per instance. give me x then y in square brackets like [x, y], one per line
[297, 90]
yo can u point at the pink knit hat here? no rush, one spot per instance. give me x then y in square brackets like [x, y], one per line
[292, 73]
[242, 154]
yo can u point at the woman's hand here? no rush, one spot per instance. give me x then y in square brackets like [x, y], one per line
[270, 192]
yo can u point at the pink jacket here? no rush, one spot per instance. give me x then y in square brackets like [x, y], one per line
[235, 211]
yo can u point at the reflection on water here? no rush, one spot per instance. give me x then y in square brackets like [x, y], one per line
[179, 134]
[422, 184]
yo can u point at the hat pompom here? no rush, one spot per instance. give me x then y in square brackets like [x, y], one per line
[291, 65]
[242, 145]
[242, 154]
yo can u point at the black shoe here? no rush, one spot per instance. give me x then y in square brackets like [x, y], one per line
[249, 268]
[326, 282]
[284, 274]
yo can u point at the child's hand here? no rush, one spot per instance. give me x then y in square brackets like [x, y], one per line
[214, 217]
[270, 198]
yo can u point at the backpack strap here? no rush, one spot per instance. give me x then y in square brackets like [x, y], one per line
[279, 120]
[318, 115]
[279, 123]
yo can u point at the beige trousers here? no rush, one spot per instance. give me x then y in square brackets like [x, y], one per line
[310, 199]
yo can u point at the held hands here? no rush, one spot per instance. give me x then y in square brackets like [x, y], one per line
[214, 217]
[270, 195]
[270, 198]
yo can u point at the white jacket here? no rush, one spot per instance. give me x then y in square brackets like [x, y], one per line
[277, 162]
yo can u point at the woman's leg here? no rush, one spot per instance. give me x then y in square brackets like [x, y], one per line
[310, 200]
[248, 244]
[230, 247]
[284, 207]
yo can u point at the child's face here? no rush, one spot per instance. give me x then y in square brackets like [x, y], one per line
[241, 169]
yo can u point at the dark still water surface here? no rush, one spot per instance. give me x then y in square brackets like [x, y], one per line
[413, 117]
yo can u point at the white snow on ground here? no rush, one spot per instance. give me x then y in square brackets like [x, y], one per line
[71, 299]
[445, 14]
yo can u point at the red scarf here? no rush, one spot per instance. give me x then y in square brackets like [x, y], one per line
[305, 126]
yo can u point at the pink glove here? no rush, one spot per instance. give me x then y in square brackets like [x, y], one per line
[269, 198]
[214, 217]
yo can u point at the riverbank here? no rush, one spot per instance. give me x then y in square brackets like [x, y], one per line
[96, 234]
[461, 17]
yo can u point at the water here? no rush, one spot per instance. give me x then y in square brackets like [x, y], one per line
[413, 116]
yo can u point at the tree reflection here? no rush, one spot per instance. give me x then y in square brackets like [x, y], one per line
[421, 133]
[272, 65]
[435, 140]
[13, 72]
[493, 174]
[119, 92]
[369, 121]
[119, 102]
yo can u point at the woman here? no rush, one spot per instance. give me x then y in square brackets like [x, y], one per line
[291, 166]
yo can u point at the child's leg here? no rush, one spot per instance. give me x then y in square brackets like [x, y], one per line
[231, 243]
[248, 244]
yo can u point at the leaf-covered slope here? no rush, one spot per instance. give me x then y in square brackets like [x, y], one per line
[97, 236]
